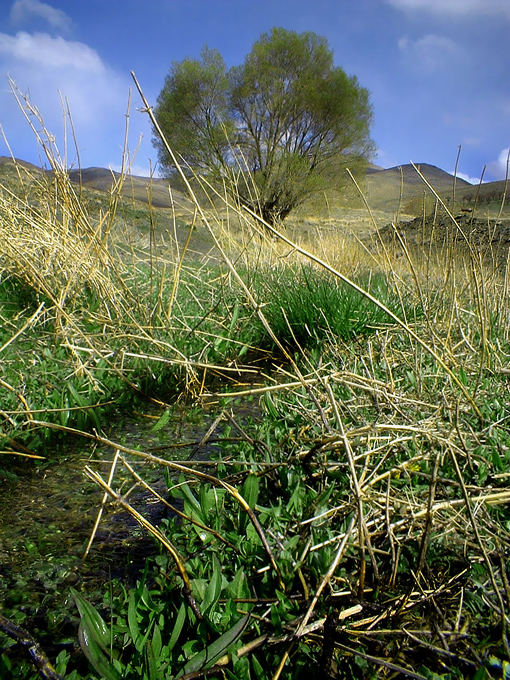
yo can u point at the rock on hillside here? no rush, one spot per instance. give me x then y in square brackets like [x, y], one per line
[489, 238]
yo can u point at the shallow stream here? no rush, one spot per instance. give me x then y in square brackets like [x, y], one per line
[47, 515]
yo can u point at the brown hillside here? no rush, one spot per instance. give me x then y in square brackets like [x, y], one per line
[383, 187]
[7, 160]
[134, 188]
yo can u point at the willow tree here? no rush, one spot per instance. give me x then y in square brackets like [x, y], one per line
[279, 127]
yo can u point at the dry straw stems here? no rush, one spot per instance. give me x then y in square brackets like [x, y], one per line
[399, 428]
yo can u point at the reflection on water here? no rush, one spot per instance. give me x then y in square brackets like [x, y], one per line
[48, 514]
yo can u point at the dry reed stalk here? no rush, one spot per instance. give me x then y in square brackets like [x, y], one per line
[57, 249]
[402, 324]
[48, 255]
[154, 531]
[101, 508]
[249, 295]
[387, 510]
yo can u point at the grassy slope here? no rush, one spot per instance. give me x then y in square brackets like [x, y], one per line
[384, 186]
[135, 188]
[133, 217]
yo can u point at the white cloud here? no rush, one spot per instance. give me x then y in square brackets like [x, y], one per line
[458, 8]
[42, 50]
[136, 170]
[498, 169]
[431, 52]
[43, 67]
[384, 158]
[24, 10]
[462, 175]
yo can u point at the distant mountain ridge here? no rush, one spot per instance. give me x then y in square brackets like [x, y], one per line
[7, 160]
[444, 184]
[385, 186]
[386, 189]
[135, 187]
[431, 173]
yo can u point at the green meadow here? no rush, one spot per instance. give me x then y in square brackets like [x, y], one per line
[355, 523]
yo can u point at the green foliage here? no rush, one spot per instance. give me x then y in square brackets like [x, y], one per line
[63, 392]
[237, 591]
[144, 638]
[287, 118]
[95, 639]
[373, 444]
[294, 476]
[193, 106]
[305, 307]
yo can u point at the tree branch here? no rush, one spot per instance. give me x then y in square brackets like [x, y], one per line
[31, 647]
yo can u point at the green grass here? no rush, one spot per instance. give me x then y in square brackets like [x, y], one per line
[106, 364]
[306, 307]
[78, 385]
[362, 521]
[294, 472]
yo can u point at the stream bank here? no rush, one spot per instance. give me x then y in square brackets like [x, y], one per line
[49, 512]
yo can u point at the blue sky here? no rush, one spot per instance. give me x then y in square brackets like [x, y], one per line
[437, 70]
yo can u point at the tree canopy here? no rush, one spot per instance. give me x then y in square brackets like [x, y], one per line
[280, 127]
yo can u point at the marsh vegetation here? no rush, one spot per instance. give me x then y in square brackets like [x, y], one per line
[358, 526]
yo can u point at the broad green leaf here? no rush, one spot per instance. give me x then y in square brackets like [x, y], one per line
[213, 589]
[95, 654]
[462, 375]
[93, 415]
[250, 493]
[238, 587]
[163, 420]
[78, 398]
[235, 316]
[207, 657]
[276, 621]
[260, 673]
[179, 623]
[134, 628]
[218, 343]
[150, 662]
[207, 500]
[241, 668]
[92, 621]
[156, 641]
[250, 490]
[61, 661]
[188, 495]
[270, 407]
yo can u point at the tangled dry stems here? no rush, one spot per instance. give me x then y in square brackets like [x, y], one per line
[359, 418]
